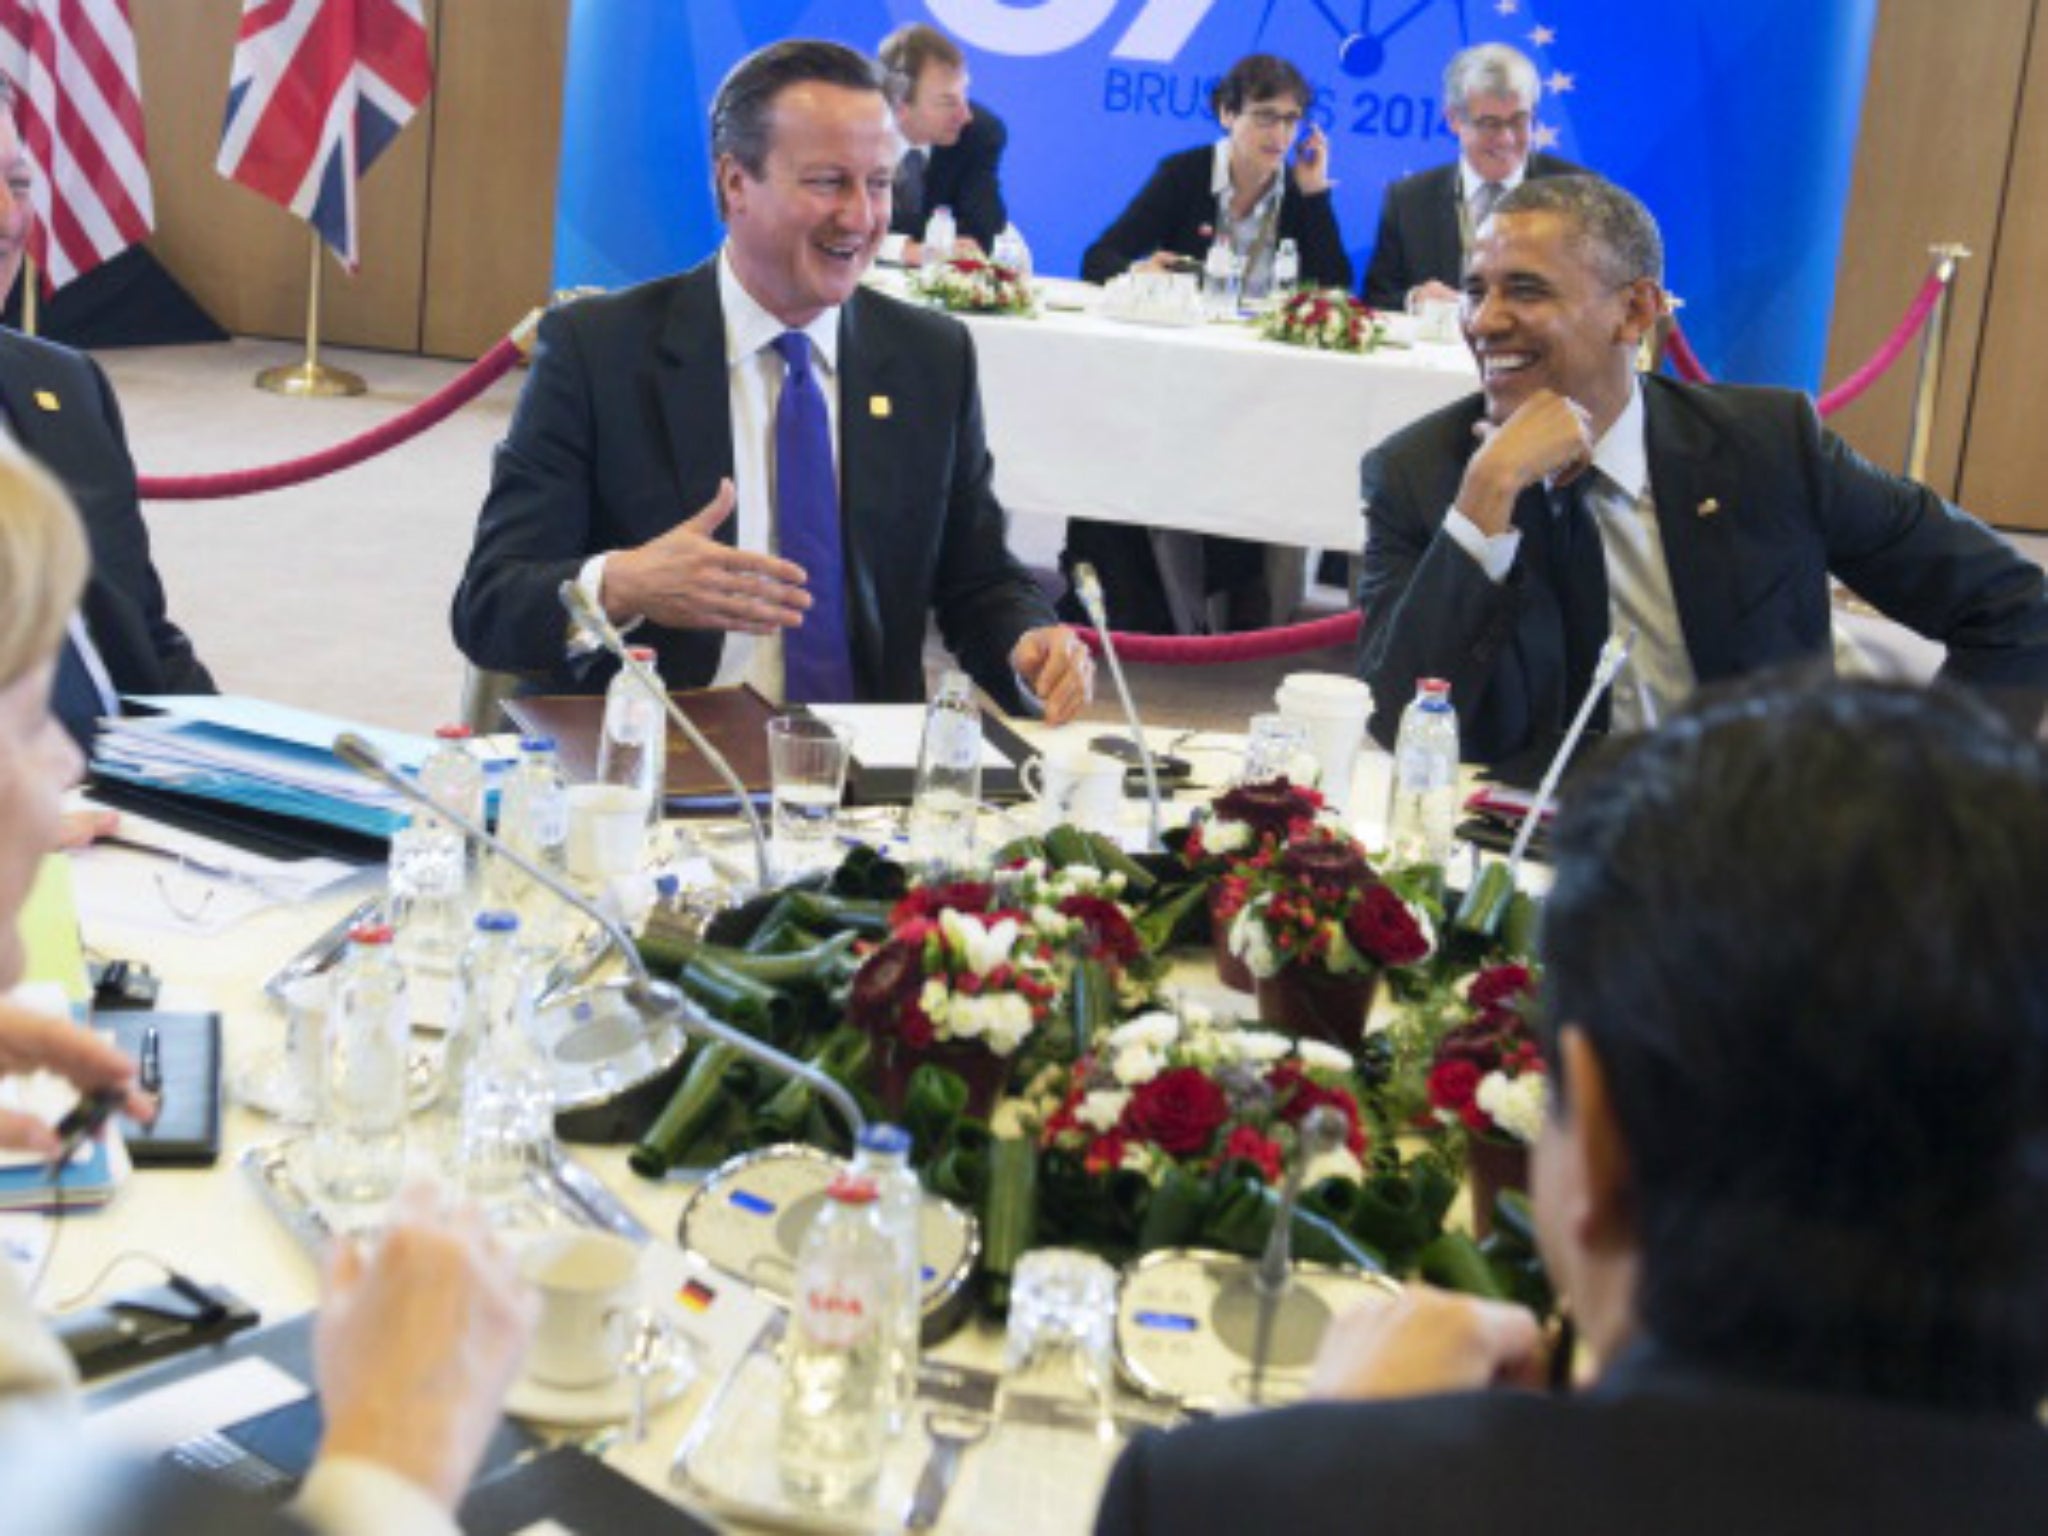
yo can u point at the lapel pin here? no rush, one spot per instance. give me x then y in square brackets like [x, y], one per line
[1710, 507]
[879, 407]
[46, 401]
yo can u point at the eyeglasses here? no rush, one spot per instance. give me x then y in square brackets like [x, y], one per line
[1266, 117]
[1494, 127]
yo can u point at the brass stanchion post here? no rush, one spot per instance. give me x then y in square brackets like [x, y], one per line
[311, 377]
[1927, 380]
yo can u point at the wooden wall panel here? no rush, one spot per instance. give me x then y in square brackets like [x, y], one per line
[497, 143]
[1931, 160]
[2005, 454]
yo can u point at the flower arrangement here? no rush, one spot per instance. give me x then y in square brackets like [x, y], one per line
[1328, 320]
[1189, 1093]
[968, 285]
[1488, 1075]
[956, 968]
[1317, 904]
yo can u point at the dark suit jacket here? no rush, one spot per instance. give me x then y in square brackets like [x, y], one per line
[1176, 211]
[965, 176]
[1791, 503]
[624, 429]
[1419, 232]
[80, 440]
[1655, 1448]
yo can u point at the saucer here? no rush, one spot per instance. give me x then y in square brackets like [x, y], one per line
[609, 1402]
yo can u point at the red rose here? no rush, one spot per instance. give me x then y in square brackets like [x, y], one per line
[1383, 928]
[1296, 1094]
[1501, 985]
[928, 901]
[1453, 1084]
[1110, 935]
[1179, 1111]
[1246, 1145]
[886, 986]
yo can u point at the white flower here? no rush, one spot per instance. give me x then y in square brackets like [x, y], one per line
[980, 948]
[1321, 1056]
[1014, 1118]
[1261, 1045]
[1102, 1108]
[1515, 1104]
[1006, 1021]
[1153, 1031]
[1137, 1065]
[1226, 836]
[1250, 942]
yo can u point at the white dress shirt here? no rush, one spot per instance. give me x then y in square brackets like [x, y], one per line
[1255, 237]
[754, 384]
[1659, 675]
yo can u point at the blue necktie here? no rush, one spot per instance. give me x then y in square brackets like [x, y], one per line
[817, 666]
[1578, 574]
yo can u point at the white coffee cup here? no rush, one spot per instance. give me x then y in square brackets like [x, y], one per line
[607, 832]
[1075, 784]
[588, 1283]
[1335, 709]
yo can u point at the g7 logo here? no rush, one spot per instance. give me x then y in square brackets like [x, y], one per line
[1157, 33]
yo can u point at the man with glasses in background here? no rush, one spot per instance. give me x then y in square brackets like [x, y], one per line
[1427, 220]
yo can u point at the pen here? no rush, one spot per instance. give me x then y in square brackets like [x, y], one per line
[151, 1069]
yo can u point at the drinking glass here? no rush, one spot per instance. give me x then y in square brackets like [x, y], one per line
[1276, 747]
[807, 760]
[1060, 1349]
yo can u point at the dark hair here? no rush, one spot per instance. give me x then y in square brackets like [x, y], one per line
[1259, 77]
[906, 51]
[1620, 230]
[1805, 930]
[742, 111]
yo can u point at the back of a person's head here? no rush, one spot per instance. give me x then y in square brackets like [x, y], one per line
[1806, 930]
[43, 563]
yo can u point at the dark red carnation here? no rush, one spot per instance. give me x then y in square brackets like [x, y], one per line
[1180, 1110]
[1384, 930]
[928, 901]
[1454, 1084]
[1501, 986]
[1109, 933]
[1270, 809]
[1244, 1144]
[1324, 864]
[886, 986]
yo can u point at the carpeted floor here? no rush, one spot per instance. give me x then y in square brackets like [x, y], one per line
[334, 595]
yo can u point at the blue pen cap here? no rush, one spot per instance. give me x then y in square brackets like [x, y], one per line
[497, 922]
[889, 1140]
[536, 743]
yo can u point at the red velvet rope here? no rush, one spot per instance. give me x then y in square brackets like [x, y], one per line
[433, 410]
[1217, 650]
[1686, 364]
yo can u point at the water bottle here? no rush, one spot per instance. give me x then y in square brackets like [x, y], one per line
[939, 234]
[835, 1380]
[947, 791]
[359, 1127]
[1011, 251]
[1425, 807]
[533, 819]
[430, 874]
[1219, 281]
[633, 752]
[497, 1099]
[884, 1156]
[1286, 270]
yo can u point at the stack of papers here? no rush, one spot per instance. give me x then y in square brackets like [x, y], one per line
[89, 1179]
[259, 755]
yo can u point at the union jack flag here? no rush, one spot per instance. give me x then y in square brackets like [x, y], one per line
[319, 88]
[79, 111]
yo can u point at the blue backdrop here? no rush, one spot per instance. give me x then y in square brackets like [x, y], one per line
[1734, 119]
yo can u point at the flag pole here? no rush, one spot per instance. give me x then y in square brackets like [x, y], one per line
[311, 378]
[31, 283]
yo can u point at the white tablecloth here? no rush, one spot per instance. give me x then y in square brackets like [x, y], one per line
[1208, 429]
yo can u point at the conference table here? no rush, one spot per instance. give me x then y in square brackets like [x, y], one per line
[1206, 428]
[214, 1224]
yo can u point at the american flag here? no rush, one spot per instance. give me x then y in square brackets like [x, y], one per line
[319, 88]
[80, 115]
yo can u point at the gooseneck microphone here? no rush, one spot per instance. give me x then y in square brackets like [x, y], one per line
[1321, 1131]
[655, 998]
[1613, 657]
[593, 619]
[1088, 587]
